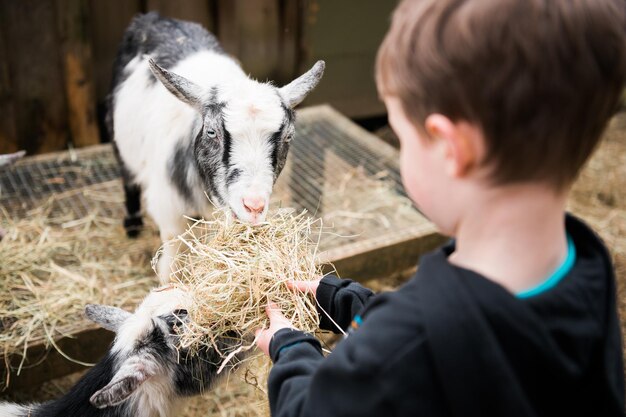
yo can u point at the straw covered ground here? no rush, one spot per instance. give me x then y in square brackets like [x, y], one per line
[52, 264]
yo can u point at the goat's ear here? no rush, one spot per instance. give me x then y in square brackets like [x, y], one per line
[298, 89]
[184, 89]
[132, 373]
[108, 317]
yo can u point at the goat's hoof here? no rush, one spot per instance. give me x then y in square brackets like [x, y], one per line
[133, 225]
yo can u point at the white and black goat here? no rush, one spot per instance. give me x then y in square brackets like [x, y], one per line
[216, 132]
[144, 374]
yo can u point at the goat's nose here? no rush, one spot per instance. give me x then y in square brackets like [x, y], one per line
[254, 204]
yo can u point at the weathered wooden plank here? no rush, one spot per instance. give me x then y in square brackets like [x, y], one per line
[32, 50]
[199, 11]
[249, 31]
[43, 364]
[289, 15]
[109, 20]
[73, 17]
[8, 134]
[332, 31]
[379, 258]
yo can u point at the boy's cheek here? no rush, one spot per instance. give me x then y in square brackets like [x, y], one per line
[411, 180]
[426, 188]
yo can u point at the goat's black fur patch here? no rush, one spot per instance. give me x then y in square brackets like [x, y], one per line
[233, 176]
[276, 141]
[166, 40]
[198, 372]
[227, 146]
[207, 157]
[76, 401]
[133, 222]
[179, 166]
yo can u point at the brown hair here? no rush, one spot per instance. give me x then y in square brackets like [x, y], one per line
[541, 78]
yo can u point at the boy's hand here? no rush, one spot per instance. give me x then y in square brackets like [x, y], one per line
[277, 322]
[305, 286]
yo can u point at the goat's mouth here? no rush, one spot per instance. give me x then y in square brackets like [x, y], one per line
[252, 220]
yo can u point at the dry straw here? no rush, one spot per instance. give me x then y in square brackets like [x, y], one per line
[232, 270]
[52, 264]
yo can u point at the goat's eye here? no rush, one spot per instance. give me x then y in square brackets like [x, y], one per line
[211, 133]
[289, 137]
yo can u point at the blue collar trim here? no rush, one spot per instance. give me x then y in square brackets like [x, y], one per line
[556, 276]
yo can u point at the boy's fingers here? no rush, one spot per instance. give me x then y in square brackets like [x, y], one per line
[277, 318]
[273, 312]
[304, 286]
[298, 285]
[262, 340]
[271, 307]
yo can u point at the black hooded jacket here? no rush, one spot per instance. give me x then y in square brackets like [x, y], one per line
[453, 343]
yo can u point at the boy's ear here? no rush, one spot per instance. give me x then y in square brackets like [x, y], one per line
[459, 141]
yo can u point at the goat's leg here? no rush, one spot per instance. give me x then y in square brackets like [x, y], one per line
[167, 211]
[166, 260]
[169, 250]
[133, 223]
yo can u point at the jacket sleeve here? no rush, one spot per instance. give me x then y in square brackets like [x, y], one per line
[339, 300]
[365, 375]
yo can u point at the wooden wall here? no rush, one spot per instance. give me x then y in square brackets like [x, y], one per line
[56, 56]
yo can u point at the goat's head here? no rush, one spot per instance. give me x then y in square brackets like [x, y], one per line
[146, 356]
[246, 129]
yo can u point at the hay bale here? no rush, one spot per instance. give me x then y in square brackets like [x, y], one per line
[232, 269]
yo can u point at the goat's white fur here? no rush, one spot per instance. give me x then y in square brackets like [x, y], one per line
[12, 410]
[160, 301]
[149, 122]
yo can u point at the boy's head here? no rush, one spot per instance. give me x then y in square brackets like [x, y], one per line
[535, 80]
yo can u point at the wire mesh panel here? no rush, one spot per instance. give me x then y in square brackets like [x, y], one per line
[72, 174]
[335, 170]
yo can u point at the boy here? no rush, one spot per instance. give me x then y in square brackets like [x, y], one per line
[497, 104]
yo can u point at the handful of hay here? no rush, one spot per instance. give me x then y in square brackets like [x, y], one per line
[232, 269]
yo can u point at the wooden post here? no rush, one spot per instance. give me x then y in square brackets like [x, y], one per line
[32, 57]
[289, 14]
[249, 31]
[110, 19]
[193, 10]
[77, 65]
[8, 135]
[46, 363]
[346, 34]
